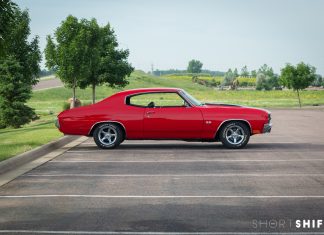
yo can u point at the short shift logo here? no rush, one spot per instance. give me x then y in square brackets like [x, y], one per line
[307, 223]
[275, 224]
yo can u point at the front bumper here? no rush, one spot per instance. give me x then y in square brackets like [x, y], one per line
[267, 128]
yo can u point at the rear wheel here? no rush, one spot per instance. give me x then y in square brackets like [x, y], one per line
[234, 135]
[108, 136]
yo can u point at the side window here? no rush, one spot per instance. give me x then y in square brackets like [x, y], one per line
[156, 100]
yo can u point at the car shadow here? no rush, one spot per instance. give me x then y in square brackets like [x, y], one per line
[296, 147]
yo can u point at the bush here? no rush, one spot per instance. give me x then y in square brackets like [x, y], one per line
[261, 83]
[266, 82]
[318, 81]
[228, 78]
[66, 106]
[2, 125]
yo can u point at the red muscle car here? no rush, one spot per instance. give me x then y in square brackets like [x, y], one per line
[160, 114]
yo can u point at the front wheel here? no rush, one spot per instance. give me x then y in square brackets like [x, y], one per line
[235, 135]
[108, 136]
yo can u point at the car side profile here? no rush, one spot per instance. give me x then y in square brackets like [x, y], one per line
[163, 114]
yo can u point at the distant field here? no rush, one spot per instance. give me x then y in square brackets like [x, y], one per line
[243, 81]
[48, 103]
[51, 100]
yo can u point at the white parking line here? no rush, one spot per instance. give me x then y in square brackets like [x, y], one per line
[149, 233]
[170, 175]
[157, 196]
[183, 161]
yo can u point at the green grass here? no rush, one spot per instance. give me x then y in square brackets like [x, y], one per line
[48, 103]
[39, 132]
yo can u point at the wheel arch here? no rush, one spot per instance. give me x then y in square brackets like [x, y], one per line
[246, 122]
[94, 126]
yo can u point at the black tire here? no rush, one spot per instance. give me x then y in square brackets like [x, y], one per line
[232, 141]
[112, 138]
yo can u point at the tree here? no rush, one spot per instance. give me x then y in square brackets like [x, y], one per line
[194, 66]
[235, 73]
[106, 63]
[228, 78]
[14, 93]
[85, 54]
[245, 72]
[253, 73]
[318, 81]
[19, 67]
[7, 11]
[68, 55]
[297, 77]
[262, 82]
[266, 78]
[266, 70]
[17, 45]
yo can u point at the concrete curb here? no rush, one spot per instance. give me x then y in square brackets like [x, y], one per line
[21, 159]
[44, 154]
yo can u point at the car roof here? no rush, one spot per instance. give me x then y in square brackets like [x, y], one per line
[147, 90]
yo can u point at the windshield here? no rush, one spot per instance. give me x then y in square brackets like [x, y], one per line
[191, 98]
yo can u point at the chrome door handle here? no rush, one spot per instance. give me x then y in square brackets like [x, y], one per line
[149, 112]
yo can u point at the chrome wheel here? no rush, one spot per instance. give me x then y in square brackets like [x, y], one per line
[235, 135]
[107, 135]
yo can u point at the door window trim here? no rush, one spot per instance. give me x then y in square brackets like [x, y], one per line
[127, 99]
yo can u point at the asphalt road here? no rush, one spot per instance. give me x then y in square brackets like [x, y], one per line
[48, 84]
[176, 187]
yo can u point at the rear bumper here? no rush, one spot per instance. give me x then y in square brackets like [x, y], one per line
[267, 128]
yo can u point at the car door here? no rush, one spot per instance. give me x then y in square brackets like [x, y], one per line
[171, 118]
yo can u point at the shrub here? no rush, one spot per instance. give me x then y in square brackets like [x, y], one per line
[318, 81]
[66, 106]
[228, 78]
[266, 82]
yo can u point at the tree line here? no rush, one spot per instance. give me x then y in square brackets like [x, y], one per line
[296, 77]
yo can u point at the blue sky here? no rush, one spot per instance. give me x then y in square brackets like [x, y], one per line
[221, 33]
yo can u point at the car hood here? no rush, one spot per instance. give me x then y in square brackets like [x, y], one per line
[220, 104]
